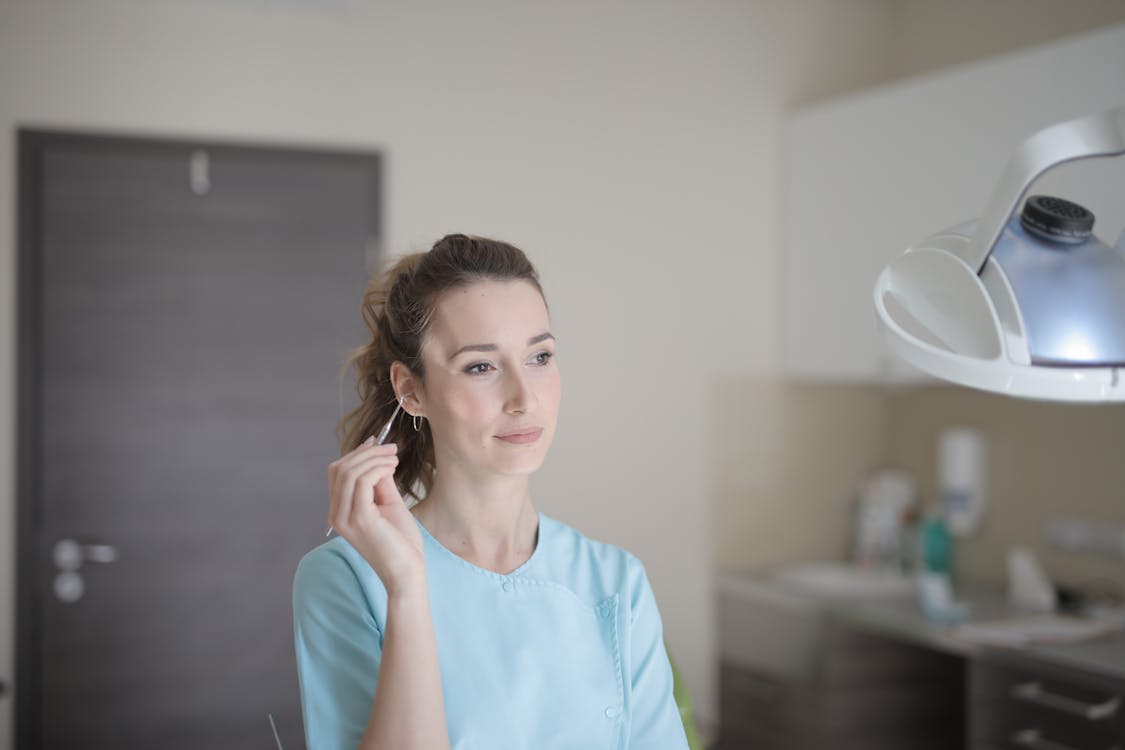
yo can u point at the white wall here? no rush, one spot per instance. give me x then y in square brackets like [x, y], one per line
[629, 147]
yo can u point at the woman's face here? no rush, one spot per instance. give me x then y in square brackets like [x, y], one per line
[491, 389]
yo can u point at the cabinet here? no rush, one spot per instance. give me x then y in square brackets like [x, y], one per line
[1017, 706]
[867, 176]
[811, 671]
[868, 693]
[792, 677]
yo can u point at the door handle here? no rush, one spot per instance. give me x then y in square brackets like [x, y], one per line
[70, 554]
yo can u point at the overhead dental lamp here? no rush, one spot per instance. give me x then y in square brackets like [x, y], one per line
[1030, 304]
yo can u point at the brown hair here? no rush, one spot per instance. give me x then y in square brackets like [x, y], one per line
[397, 308]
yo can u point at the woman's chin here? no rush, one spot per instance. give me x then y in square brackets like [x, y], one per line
[520, 468]
[518, 465]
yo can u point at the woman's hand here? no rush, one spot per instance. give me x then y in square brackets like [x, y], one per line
[368, 511]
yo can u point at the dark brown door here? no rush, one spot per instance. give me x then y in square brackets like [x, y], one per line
[185, 312]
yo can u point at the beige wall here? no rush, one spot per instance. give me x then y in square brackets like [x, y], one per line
[786, 459]
[934, 35]
[1045, 461]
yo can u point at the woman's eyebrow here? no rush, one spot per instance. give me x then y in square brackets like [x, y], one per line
[473, 348]
[541, 337]
[493, 347]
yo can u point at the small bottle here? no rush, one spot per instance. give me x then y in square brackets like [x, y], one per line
[936, 545]
[910, 550]
[934, 581]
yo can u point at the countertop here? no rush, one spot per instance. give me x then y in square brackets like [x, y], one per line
[902, 618]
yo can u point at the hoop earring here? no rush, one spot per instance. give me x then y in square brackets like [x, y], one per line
[417, 423]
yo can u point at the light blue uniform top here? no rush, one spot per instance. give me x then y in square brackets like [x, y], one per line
[564, 652]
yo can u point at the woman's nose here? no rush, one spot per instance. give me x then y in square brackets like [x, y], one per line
[520, 396]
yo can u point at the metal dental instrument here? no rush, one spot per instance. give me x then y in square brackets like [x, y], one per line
[381, 438]
[387, 427]
[275, 736]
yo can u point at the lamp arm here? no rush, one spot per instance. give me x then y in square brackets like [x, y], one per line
[1101, 134]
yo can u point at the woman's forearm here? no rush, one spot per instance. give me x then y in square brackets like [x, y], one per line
[409, 711]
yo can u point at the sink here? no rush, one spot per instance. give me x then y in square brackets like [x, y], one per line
[845, 580]
[778, 621]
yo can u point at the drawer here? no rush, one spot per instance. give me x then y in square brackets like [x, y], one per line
[1013, 706]
[759, 710]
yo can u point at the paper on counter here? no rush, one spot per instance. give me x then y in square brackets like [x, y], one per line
[1034, 629]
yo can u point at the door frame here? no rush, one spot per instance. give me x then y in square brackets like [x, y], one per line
[32, 144]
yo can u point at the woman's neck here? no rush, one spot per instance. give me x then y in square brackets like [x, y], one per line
[491, 525]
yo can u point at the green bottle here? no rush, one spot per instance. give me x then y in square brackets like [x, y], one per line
[936, 545]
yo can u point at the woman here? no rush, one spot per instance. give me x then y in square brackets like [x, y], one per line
[469, 620]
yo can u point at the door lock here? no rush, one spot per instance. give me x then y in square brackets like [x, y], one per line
[70, 554]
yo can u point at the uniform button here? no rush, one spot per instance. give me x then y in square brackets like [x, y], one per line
[606, 612]
[612, 712]
[508, 586]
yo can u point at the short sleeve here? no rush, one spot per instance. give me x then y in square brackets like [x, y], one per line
[655, 723]
[339, 647]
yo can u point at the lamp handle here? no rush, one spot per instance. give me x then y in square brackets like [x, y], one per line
[1101, 134]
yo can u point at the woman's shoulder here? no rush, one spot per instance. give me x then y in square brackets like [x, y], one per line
[335, 570]
[575, 558]
[328, 557]
[568, 538]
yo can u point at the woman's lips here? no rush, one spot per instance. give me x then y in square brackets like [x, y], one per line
[529, 435]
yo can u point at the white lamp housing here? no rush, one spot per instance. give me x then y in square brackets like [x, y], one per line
[1002, 306]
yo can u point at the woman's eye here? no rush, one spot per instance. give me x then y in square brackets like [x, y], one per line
[543, 358]
[478, 368]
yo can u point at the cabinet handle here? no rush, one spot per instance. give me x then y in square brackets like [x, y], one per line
[1033, 739]
[1033, 692]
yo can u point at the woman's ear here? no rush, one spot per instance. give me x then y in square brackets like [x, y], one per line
[408, 387]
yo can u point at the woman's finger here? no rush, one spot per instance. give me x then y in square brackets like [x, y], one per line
[356, 456]
[344, 489]
[360, 453]
[386, 494]
[366, 518]
[363, 496]
[348, 477]
[359, 484]
[369, 447]
[339, 504]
